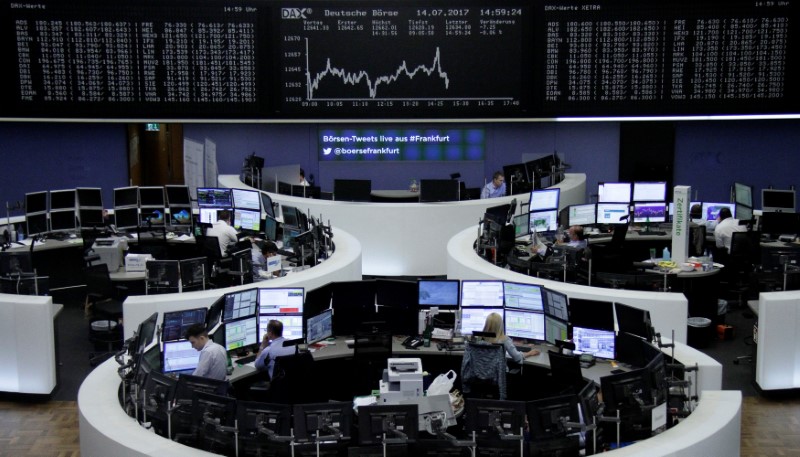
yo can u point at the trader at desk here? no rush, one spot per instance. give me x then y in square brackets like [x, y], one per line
[271, 347]
[213, 361]
[225, 233]
[726, 226]
[495, 188]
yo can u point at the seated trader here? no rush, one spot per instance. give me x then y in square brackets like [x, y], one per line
[223, 230]
[302, 181]
[576, 237]
[494, 324]
[726, 225]
[495, 188]
[695, 221]
[213, 361]
[271, 347]
[262, 251]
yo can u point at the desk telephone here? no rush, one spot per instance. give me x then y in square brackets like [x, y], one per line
[413, 342]
[587, 360]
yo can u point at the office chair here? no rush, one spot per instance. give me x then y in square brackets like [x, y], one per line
[208, 247]
[744, 259]
[103, 308]
[565, 373]
[483, 370]
[612, 257]
[371, 352]
[697, 240]
[162, 277]
[294, 379]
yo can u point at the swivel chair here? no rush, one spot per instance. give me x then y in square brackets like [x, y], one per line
[103, 308]
[565, 373]
[483, 370]
[371, 352]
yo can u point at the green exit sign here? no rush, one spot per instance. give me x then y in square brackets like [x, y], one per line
[152, 127]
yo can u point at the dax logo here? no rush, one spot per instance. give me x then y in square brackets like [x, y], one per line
[326, 151]
[295, 13]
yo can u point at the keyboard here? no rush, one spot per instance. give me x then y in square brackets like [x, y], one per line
[246, 359]
[653, 233]
[523, 348]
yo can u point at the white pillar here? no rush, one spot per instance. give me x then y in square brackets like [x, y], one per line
[680, 223]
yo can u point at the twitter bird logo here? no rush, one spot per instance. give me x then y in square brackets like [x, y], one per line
[326, 151]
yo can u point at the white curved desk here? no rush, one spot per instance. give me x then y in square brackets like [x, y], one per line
[778, 342]
[409, 239]
[343, 265]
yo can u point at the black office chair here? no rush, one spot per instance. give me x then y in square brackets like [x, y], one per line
[697, 240]
[103, 308]
[612, 257]
[371, 352]
[743, 261]
[293, 381]
[217, 266]
[483, 370]
[565, 373]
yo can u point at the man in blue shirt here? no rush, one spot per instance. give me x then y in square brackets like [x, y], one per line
[272, 347]
[496, 188]
[213, 361]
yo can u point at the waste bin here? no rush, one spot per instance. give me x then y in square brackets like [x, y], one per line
[699, 332]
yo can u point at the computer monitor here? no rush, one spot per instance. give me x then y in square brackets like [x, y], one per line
[36, 224]
[597, 342]
[474, 319]
[441, 293]
[555, 329]
[178, 195]
[582, 214]
[270, 228]
[176, 323]
[591, 313]
[556, 304]
[522, 225]
[498, 213]
[179, 356]
[774, 200]
[635, 321]
[649, 212]
[657, 368]
[215, 312]
[126, 218]
[125, 197]
[780, 223]
[208, 197]
[711, 210]
[613, 213]
[292, 325]
[240, 304]
[208, 215]
[547, 416]
[62, 199]
[152, 197]
[438, 190]
[15, 263]
[626, 392]
[36, 202]
[744, 213]
[255, 416]
[319, 327]
[246, 199]
[487, 294]
[159, 388]
[544, 221]
[614, 192]
[189, 385]
[152, 217]
[91, 217]
[494, 418]
[90, 197]
[649, 191]
[330, 419]
[290, 217]
[246, 220]
[180, 216]
[285, 300]
[629, 350]
[398, 423]
[241, 333]
[353, 190]
[523, 296]
[743, 194]
[524, 324]
[145, 334]
[266, 203]
[63, 221]
[544, 199]
[288, 236]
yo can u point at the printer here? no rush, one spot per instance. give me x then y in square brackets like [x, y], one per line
[111, 252]
[401, 380]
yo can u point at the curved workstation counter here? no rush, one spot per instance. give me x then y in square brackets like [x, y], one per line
[104, 426]
[668, 310]
[777, 354]
[343, 265]
[409, 239]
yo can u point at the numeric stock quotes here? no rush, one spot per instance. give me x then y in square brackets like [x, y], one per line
[370, 59]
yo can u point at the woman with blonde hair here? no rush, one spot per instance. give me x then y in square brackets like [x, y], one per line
[494, 324]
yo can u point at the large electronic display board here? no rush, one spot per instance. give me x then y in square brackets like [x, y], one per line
[255, 60]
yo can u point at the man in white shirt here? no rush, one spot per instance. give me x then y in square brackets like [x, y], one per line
[213, 361]
[726, 226]
[222, 229]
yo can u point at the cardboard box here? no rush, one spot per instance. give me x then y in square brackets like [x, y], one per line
[136, 262]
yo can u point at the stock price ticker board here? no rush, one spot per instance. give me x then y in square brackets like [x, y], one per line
[312, 60]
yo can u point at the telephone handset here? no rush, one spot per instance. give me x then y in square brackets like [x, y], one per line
[413, 342]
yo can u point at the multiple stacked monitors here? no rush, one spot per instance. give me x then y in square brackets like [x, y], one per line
[743, 194]
[90, 206]
[63, 204]
[284, 305]
[543, 207]
[774, 200]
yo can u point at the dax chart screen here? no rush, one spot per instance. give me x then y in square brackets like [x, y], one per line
[356, 58]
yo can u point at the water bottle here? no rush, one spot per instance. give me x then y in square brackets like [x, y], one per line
[665, 255]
